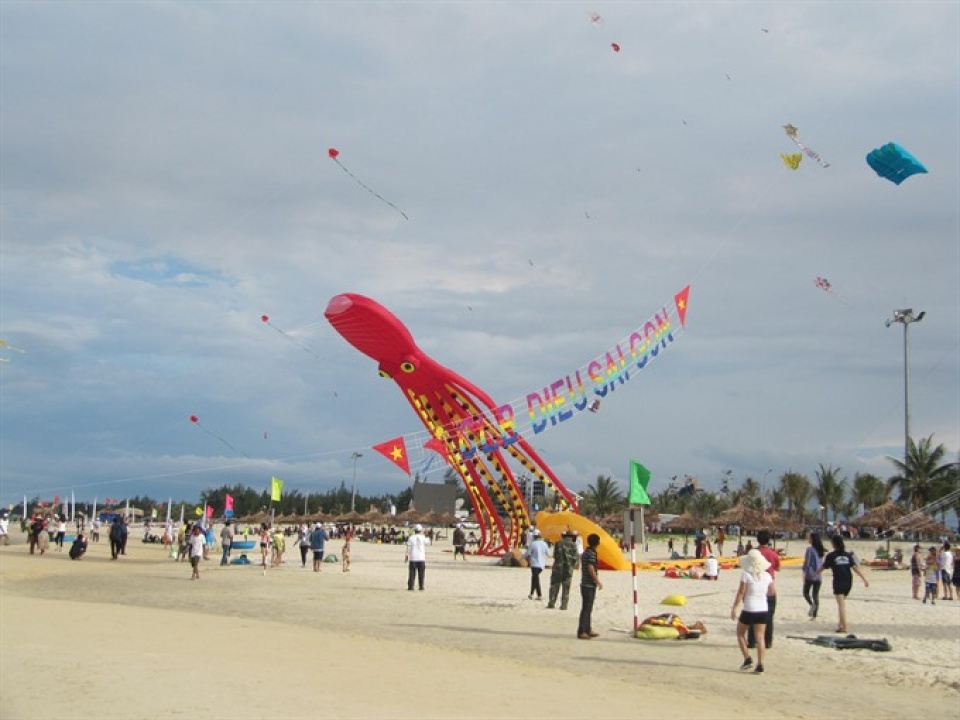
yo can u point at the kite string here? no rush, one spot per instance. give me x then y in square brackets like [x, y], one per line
[368, 188]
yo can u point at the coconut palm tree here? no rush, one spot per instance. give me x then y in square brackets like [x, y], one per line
[776, 498]
[868, 490]
[798, 491]
[750, 493]
[604, 497]
[831, 488]
[920, 473]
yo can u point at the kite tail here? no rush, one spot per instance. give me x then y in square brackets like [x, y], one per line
[810, 153]
[369, 189]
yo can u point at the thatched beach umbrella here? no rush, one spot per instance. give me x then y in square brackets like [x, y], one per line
[882, 516]
[685, 522]
[780, 523]
[745, 518]
[374, 517]
[408, 516]
[351, 517]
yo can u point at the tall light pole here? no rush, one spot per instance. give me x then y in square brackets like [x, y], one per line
[905, 317]
[353, 495]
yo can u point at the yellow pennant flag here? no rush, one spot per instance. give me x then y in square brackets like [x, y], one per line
[276, 488]
[198, 511]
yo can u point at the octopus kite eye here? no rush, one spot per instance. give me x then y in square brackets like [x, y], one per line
[408, 367]
[385, 374]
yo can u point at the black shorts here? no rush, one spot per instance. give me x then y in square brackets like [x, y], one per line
[945, 577]
[195, 561]
[318, 555]
[753, 618]
[843, 589]
[462, 549]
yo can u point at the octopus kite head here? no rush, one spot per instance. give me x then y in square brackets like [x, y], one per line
[377, 333]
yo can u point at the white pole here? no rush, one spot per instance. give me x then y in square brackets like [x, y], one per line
[643, 531]
[633, 569]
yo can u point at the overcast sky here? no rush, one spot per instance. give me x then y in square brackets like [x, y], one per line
[165, 182]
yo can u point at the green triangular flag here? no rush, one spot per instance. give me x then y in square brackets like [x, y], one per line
[639, 479]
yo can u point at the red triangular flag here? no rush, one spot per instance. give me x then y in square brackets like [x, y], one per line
[436, 444]
[396, 452]
[681, 301]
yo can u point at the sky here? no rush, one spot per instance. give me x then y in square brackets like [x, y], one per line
[165, 182]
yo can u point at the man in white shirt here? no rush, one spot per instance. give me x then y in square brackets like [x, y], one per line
[5, 529]
[946, 570]
[417, 557]
[537, 552]
[196, 543]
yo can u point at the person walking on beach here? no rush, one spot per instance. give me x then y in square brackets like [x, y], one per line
[773, 558]
[946, 570]
[589, 584]
[226, 543]
[753, 592]
[565, 562]
[61, 532]
[416, 557]
[118, 532]
[931, 576]
[459, 543]
[721, 536]
[303, 542]
[197, 542]
[813, 573]
[5, 528]
[842, 564]
[536, 554]
[318, 539]
[916, 571]
[345, 553]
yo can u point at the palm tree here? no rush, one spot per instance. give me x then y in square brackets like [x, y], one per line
[868, 490]
[920, 472]
[604, 497]
[704, 505]
[749, 494]
[776, 498]
[830, 490]
[798, 490]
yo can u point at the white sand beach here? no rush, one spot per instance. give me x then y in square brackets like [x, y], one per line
[136, 638]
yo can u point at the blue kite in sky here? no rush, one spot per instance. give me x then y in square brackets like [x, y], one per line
[894, 163]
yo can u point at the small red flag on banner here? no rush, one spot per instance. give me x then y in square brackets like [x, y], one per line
[681, 300]
[396, 452]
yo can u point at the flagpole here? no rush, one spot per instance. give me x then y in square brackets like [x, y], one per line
[643, 532]
[633, 570]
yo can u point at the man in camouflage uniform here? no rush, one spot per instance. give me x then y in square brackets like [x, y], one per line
[565, 562]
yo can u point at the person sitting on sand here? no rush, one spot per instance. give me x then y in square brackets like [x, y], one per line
[79, 547]
[711, 568]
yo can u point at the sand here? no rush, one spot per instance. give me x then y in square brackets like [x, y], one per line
[136, 638]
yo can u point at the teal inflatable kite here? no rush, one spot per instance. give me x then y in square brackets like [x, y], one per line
[894, 163]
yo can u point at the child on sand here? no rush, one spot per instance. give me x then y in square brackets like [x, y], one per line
[346, 554]
[931, 575]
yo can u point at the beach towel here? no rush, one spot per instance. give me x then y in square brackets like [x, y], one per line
[848, 642]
